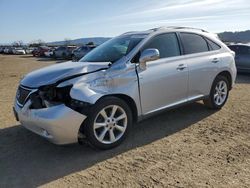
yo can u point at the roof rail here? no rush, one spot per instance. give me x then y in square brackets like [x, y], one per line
[178, 27]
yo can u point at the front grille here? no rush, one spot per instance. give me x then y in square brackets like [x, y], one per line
[22, 95]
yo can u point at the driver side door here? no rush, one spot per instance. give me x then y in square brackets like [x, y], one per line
[164, 82]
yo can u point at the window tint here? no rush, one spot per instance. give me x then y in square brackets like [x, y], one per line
[212, 45]
[167, 44]
[193, 43]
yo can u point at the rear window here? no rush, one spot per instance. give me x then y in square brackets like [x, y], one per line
[193, 43]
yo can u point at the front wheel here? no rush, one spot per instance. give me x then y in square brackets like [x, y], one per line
[108, 123]
[218, 94]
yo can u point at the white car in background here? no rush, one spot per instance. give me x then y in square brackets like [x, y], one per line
[19, 51]
[29, 50]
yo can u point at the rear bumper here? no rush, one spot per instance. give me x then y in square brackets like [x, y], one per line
[58, 124]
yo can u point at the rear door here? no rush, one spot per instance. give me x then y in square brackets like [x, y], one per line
[202, 57]
[164, 82]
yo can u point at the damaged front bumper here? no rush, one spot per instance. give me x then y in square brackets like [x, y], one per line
[59, 124]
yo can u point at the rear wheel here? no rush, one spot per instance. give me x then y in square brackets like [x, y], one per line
[108, 123]
[218, 94]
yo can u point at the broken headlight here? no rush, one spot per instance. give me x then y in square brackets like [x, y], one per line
[50, 96]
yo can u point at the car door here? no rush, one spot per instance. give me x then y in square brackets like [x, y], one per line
[164, 81]
[203, 59]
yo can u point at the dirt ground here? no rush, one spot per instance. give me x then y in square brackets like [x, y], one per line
[186, 147]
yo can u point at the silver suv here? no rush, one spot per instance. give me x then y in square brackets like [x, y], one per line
[125, 80]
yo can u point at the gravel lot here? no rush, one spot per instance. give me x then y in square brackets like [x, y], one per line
[186, 147]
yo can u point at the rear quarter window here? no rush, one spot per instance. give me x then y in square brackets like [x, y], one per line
[212, 45]
[193, 43]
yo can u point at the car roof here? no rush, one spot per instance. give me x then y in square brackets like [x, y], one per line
[167, 28]
[173, 29]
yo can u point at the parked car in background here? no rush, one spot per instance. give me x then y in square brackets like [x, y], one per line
[40, 51]
[81, 51]
[1, 49]
[19, 51]
[63, 52]
[8, 50]
[242, 56]
[124, 80]
[49, 53]
[29, 50]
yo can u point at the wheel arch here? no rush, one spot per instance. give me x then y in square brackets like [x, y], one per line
[127, 99]
[228, 75]
[130, 102]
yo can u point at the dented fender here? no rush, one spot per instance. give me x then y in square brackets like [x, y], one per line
[117, 80]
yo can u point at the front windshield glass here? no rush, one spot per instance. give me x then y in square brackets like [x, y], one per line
[113, 49]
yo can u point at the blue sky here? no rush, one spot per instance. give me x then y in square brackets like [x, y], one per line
[52, 20]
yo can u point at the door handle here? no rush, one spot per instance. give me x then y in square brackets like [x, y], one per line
[181, 67]
[215, 60]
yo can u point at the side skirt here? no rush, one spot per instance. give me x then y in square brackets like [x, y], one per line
[162, 110]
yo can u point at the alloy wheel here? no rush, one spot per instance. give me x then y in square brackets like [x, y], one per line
[221, 92]
[110, 124]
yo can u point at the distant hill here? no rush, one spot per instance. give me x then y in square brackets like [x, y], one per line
[81, 41]
[241, 36]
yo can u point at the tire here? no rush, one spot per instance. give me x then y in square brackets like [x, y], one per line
[218, 96]
[97, 129]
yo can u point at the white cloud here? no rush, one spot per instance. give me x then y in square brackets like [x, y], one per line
[208, 14]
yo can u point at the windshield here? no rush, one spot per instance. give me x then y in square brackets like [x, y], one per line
[113, 49]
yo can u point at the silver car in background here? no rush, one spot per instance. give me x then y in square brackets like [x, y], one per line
[125, 80]
[80, 52]
[19, 51]
[63, 52]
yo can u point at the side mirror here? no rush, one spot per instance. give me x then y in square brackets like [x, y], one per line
[150, 54]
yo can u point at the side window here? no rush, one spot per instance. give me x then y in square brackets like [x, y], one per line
[212, 45]
[193, 43]
[167, 44]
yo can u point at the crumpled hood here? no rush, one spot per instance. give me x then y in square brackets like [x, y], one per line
[55, 73]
